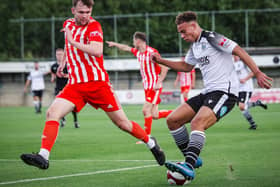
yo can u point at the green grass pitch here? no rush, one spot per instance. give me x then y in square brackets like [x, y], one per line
[99, 154]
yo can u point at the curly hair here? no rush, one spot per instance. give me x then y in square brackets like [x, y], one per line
[185, 17]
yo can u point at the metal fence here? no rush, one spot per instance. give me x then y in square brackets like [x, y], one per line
[115, 27]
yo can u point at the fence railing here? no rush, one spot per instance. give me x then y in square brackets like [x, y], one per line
[114, 27]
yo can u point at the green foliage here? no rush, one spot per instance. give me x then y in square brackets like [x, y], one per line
[263, 27]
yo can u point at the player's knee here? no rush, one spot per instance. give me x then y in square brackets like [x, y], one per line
[146, 112]
[172, 123]
[197, 124]
[51, 114]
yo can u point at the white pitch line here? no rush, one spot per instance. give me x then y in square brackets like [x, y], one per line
[76, 175]
[81, 160]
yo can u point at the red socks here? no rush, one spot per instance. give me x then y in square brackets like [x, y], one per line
[148, 124]
[138, 132]
[49, 134]
[163, 113]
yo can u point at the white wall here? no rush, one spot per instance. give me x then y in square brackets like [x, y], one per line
[115, 64]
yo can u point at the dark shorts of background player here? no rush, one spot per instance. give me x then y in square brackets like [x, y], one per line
[244, 97]
[220, 102]
[57, 90]
[38, 93]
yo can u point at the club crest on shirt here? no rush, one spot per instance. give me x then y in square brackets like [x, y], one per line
[203, 46]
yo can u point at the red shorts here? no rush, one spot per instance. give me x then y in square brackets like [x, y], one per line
[98, 94]
[153, 96]
[185, 89]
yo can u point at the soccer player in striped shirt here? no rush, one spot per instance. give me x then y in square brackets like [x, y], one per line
[88, 83]
[187, 82]
[152, 76]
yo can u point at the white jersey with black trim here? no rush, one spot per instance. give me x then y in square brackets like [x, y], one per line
[212, 52]
[242, 72]
[37, 80]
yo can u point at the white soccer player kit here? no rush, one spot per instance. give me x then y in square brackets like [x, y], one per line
[37, 80]
[242, 72]
[213, 54]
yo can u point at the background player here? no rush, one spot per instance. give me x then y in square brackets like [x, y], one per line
[245, 91]
[212, 52]
[88, 83]
[60, 83]
[36, 78]
[187, 82]
[152, 77]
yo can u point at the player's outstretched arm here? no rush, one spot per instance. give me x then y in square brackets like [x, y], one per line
[176, 65]
[263, 80]
[120, 46]
[93, 49]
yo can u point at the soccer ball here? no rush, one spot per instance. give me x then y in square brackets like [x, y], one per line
[176, 178]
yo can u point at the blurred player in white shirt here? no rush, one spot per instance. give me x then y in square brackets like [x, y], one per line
[36, 79]
[246, 88]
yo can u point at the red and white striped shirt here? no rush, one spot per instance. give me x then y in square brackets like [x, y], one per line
[149, 71]
[186, 78]
[81, 66]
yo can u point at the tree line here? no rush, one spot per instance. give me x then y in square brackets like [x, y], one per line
[263, 27]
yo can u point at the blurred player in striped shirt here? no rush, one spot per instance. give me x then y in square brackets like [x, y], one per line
[152, 76]
[88, 83]
[187, 82]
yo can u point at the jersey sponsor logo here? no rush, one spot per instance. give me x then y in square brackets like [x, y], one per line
[95, 33]
[210, 101]
[224, 42]
[223, 110]
[204, 61]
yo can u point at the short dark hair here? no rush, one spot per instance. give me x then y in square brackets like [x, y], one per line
[88, 3]
[140, 35]
[185, 17]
